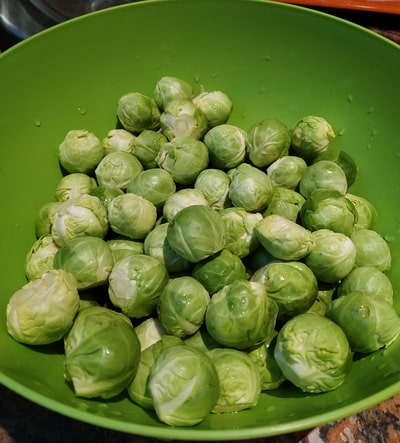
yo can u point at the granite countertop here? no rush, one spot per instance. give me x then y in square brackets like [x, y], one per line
[22, 421]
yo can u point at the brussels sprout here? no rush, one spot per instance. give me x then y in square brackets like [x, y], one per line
[157, 246]
[286, 171]
[89, 259]
[368, 280]
[122, 247]
[183, 385]
[214, 183]
[241, 315]
[79, 217]
[219, 270]
[43, 310]
[197, 232]
[43, 218]
[74, 185]
[117, 169]
[286, 203]
[283, 238]
[250, 188]
[324, 174]
[325, 209]
[106, 193]
[154, 184]
[239, 380]
[333, 256]
[40, 257]
[226, 145]
[259, 258]
[313, 353]
[240, 234]
[271, 374]
[201, 340]
[372, 249]
[146, 147]
[268, 140]
[325, 293]
[102, 353]
[369, 322]
[182, 199]
[182, 306]
[216, 105]
[132, 216]
[310, 136]
[292, 286]
[80, 151]
[149, 331]
[136, 283]
[119, 140]
[184, 158]
[365, 210]
[136, 112]
[171, 88]
[138, 390]
[181, 118]
[343, 159]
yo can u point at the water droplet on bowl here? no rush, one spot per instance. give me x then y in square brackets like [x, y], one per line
[37, 122]
[82, 111]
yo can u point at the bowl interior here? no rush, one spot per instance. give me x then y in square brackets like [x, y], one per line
[274, 61]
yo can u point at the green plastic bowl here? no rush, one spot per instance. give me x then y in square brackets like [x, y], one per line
[273, 60]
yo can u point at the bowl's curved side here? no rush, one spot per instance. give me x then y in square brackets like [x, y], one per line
[273, 60]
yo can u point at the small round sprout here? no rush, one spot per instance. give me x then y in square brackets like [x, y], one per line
[369, 322]
[372, 249]
[181, 118]
[132, 216]
[239, 379]
[40, 257]
[119, 140]
[171, 88]
[240, 234]
[88, 259]
[122, 247]
[214, 183]
[313, 353]
[310, 136]
[102, 353]
[268, 140]
[182, 306]
[250, 188]
[117, 169]
[368, 280]
[43, 310]
[78, 217]
[286, 171]
[43, 218]
[73, 185]
[137, 112]
[154, 184]
[324, 174]
[184, 158]
[365, 210]
[292, 285]
[181, 199]
[197, 232]
[80, 151]
[226, 145]
[241, 315]
[136, 283]
[286, 203]
[183, 385]
[325, 209]
[283, 238]
[219, 270]
[146, 147]
[216, 105]
[332, 257]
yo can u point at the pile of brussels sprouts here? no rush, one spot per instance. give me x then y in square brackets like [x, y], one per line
[191, 264]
